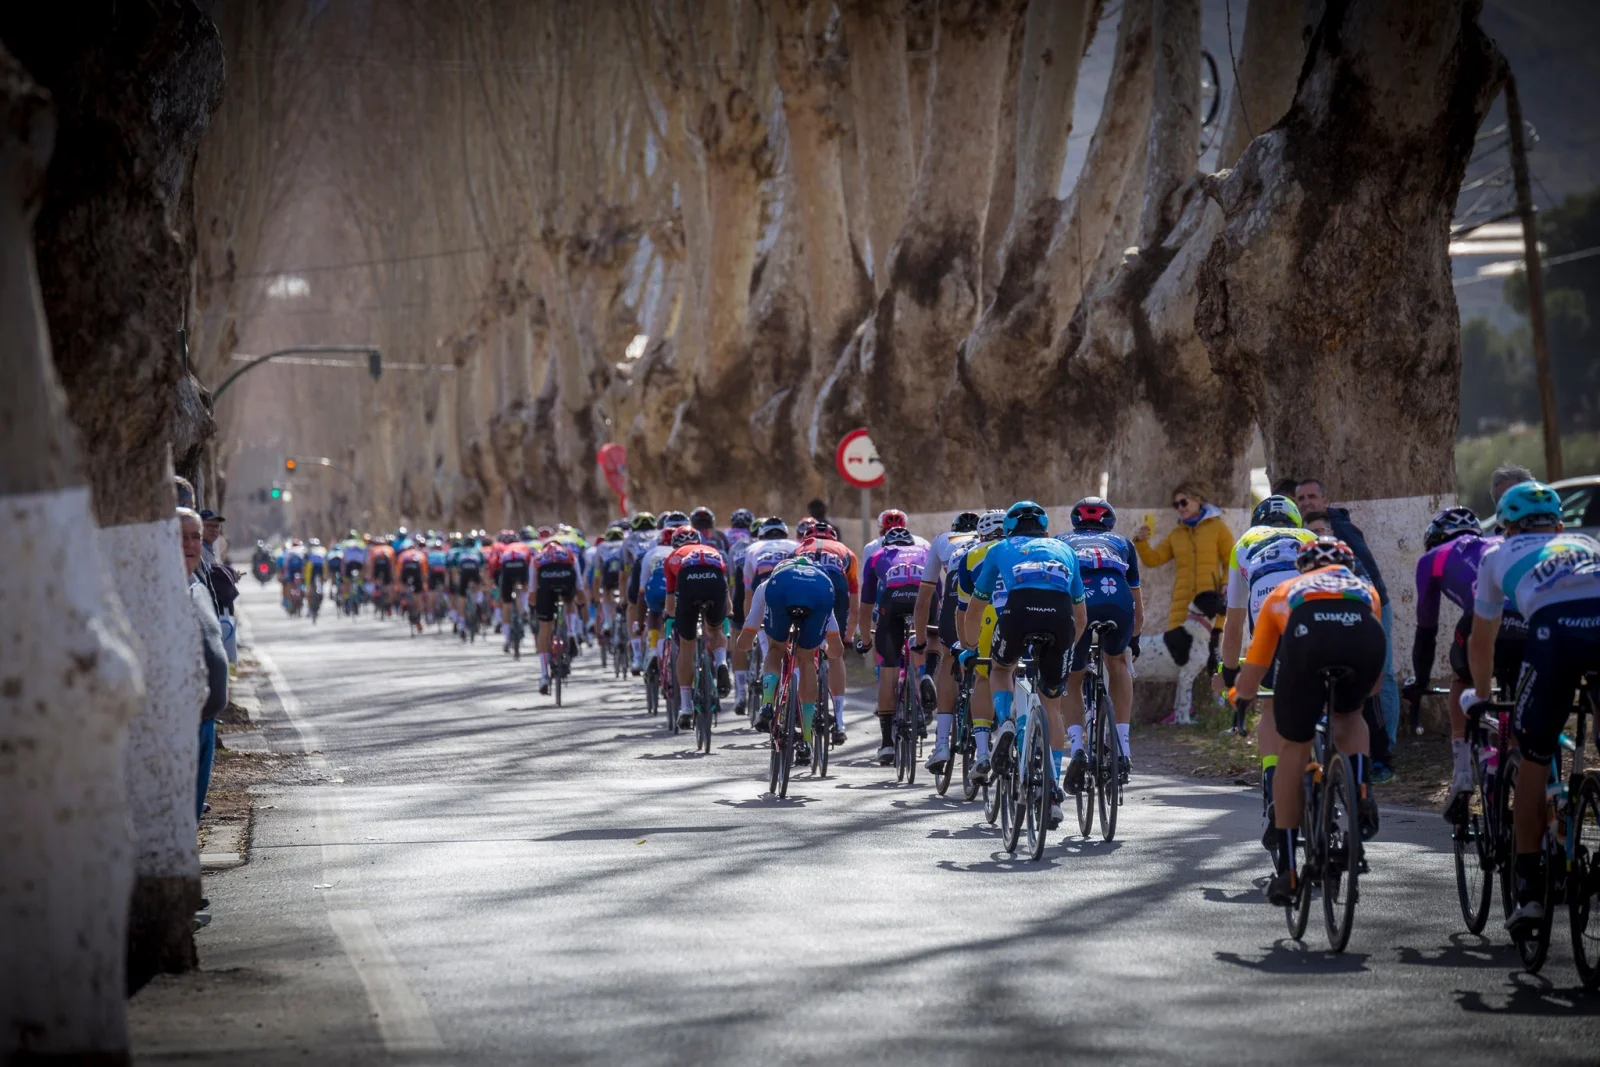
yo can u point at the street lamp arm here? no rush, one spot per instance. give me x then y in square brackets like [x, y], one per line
[312, 349]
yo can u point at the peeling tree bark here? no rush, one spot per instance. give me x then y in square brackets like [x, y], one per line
[881, 94]
[906, 354]
[1328, 297]
[134, 85]
[71, 681]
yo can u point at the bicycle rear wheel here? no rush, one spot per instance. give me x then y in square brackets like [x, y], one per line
[1341, 837]
[1298, 913]
[652, 687]
[1474, 872]
[704, 702]
[1108, 783]
[1583, 886]
[791, 735]
[1086, 795]
[1504, 838]
[1036, 788]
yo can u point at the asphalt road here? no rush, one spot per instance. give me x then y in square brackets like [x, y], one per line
[471, 875]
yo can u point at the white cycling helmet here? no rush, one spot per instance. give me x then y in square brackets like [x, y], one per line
[990, 524]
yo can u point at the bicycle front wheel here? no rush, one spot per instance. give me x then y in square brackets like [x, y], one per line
[1086, 795]
[1341, 861]
[1298, 912]
[652, 688]
[1036, 789]
[1474, 873]
[1504, 839]
[1583, 886]
[1108, 781]
[791, 735]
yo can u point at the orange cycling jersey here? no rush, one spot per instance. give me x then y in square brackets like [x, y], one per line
[691, 557]
[381, 554]
[1324, 583]
[830, 555]
[417, 556]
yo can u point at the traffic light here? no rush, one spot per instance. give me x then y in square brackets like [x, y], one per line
[288, 464]
[375, 364]
[277, 494]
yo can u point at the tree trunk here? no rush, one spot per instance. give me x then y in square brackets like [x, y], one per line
[72, 680]
[1003, 176]
[134, 85]
[881, 94]
[907, 351]
[1351, 191]
[1270, 56]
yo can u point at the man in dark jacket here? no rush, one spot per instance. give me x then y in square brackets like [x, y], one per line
[1311, 496]
[215, 659]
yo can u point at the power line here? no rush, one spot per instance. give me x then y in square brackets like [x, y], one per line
[325, 267]
[1553, 261]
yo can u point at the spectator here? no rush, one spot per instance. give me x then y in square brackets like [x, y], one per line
[818, 510]
[1312, 498]
[1199, 545]
[1505, 477]
[222, 580]
[1284, 487]
[215, 659]
[185, 491]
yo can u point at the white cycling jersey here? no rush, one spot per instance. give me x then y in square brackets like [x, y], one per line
[1529, 571]
[761, 556]
[877, 543]
[1263, 557]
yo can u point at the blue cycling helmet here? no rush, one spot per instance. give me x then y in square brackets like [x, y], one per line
[1277, 511]
[1525, 503]
[1026, 513]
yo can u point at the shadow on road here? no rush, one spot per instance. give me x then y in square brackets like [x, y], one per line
[1531, 994]
[1289, 957]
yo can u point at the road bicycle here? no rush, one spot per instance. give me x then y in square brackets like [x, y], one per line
[1102, 780]
[1027, 778]
[822, 720]
[516, 624]
[560, 649]
[909, 729]
[962, 746]
[785, 731]
[752, 684]
[1571, 851]
[471, 616]
[669, 684]
[1481, 832]
[1330, 833]
[314, 606]
[705, 687]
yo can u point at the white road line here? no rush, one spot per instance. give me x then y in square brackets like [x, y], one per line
[403, 1019]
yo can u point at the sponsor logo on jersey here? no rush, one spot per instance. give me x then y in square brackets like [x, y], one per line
[1343, 618]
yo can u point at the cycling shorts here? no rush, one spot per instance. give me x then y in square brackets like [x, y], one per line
[381, 573]
[352, 569]
[512, 574]
[948, 634]
[1563, 644]
[1113, 640]
[316, 571]
[1507, 649]
[700, 589]
[1320, 634]
[411, 578]
[611, 577]
[436, 579]
[895, 609]
[813, 598]
[1046, 616]
[466, 579]
[556, 581]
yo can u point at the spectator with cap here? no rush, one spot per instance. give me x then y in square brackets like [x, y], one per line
[221, 579]
[1312, 498]
[214, 658]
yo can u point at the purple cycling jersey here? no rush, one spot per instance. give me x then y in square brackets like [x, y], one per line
[1449, 570]
[892, 568]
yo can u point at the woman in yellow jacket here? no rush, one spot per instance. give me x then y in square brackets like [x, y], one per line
[1200, 545]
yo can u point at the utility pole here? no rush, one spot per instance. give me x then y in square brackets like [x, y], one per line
[1530, 239]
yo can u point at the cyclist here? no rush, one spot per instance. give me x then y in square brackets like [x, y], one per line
[555, 577]
[739, 538]
[469, 572]
[771, 547]
[648, 586]
[697, 586]
[605, 575]
[316, 566]
[1033, 582]
[825, 549]
[975, 630]
[704, 521]
[353, 552]
[640, 539]
[438, 571]
[793, 585]
[1110, 570]
[1553, 580]
[291, 562]
[888, 520]
[380, 564]
[513, 573]
[335, 561]
[890, 582]
[1263, 556]
[936, 601]
[412, 567]
[1453, 547]
[1322, 616]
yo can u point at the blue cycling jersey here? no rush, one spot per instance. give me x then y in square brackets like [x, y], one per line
[1028, 563]
[1102, 550]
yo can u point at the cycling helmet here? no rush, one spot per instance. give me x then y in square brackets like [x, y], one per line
[742, 519]
[805, 528]
[685, 535]
[991, 524]
[702, 518]
[674, 518]
[898, 537]
[316, 541]
[1026, 513]
[824, 531]
[613, 533]
[772, 528]
[664, 535]
[507, 537]
[1529, 503]
[1325, 551]
[888, 520]
[545, 533]
[353, 534]
[642, 520]
[458, 541]
[1450, 523]
[965, 522]
[528, 533]
[1094, 511]
[1276, 511]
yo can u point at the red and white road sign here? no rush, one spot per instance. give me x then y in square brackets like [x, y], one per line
[857, 460]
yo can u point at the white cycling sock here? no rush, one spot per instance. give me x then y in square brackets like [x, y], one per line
[685, 698]
[544, 668]
[838, 712]
[1074, 739]
[1122, 735]
[1460, 755]
[944, 724]
[719, 657]
[740, 680]
[980, 739]
[637, 644]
